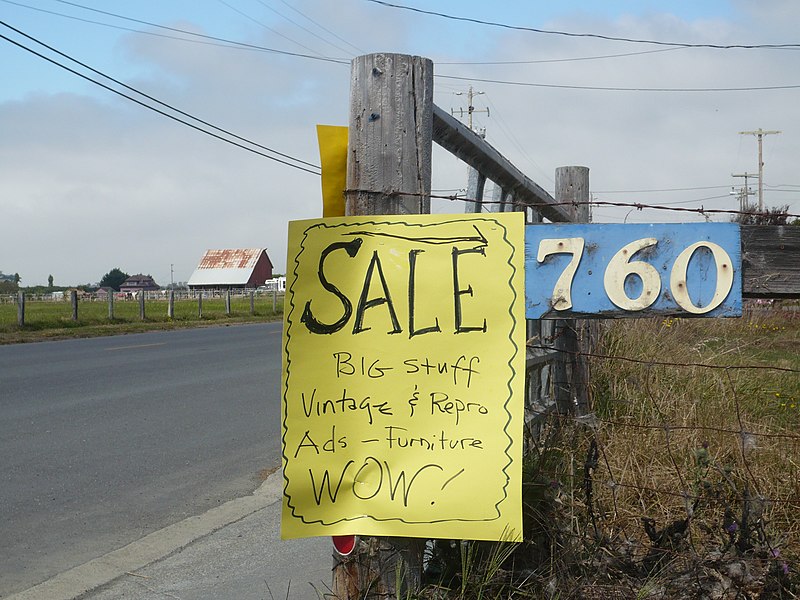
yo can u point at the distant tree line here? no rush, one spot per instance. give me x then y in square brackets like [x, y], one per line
[10, 284]
[114, 278]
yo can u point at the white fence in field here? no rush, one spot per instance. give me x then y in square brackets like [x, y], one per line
[168, 297]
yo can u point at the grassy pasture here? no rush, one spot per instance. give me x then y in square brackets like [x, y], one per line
[53, 319]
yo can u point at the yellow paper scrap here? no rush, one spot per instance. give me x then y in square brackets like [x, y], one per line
[333, 156]
[404, 370]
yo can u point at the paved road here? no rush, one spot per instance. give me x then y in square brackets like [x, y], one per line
[107, 439]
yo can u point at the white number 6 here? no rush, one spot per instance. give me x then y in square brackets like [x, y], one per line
[620, 267]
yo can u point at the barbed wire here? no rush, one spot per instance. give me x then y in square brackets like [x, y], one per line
[633, 205]
[687, 488]
[644, 361]
[554, 476]
[592, 421]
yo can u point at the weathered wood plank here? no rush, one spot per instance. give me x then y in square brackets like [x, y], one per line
[391, 103]
[770, 261]
[21, 309]
[457, 138]
[539, 357]
[389, 150]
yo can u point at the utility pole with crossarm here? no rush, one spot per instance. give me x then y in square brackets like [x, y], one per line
[760, 133]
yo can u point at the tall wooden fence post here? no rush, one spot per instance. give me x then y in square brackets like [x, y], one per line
[274, 299]
[388, 172]
[200, 305]
[21, 309]
[73, 298]
[252, 303]
[571, 370]
[227, 302]
[111, 305]
[171, 305]
[141, 305]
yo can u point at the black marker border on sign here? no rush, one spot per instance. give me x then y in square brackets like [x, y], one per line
[331, 224]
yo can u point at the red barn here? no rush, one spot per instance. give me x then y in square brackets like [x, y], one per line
[231, 269]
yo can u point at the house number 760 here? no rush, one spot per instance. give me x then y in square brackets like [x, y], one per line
[621, 266]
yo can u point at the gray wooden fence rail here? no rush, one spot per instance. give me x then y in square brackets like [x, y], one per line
[553, 356]
[21, 299]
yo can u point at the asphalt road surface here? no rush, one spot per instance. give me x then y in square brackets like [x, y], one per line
[105, 440]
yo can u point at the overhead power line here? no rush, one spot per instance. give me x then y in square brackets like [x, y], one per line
[601, 88]
[225, 43]
[584, 35]
[155, 109]
[680, 189]
[318, 24]
[199, 38]
[555, 60]
[303, 27]
[267, 27]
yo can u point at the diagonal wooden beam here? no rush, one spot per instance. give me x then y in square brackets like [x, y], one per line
[458, 139]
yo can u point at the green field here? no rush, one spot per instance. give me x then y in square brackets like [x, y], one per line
[53, 319]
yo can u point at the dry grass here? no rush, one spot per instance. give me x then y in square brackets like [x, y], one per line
[712, 451]
[685, 482]
[670, 430]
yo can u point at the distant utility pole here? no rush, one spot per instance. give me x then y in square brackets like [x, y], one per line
[745, 191]
[475, 182]
[171, 273]
[760, 133]
[470, 109]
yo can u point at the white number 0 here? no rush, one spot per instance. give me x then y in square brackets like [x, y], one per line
[677, 280]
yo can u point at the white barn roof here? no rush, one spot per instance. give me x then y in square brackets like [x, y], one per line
[226, 267]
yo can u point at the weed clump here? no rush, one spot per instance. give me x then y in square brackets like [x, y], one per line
[683, 482]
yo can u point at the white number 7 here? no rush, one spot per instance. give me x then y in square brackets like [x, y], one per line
[562, 293]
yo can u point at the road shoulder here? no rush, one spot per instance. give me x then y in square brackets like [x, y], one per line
[128, 560]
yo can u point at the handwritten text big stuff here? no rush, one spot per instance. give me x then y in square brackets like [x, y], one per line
[403, 375]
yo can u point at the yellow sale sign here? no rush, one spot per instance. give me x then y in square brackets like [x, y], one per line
[404, 367]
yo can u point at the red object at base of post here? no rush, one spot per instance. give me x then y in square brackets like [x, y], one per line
[344, 544]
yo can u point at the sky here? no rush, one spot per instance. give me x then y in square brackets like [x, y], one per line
[91, 181]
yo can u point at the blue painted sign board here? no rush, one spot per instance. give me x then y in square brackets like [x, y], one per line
[619, 270]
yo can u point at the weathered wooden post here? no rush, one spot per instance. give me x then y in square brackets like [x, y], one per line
[111, 305]
[200, 305]
[571, 370]
[141, 305]
[227, 302]
[388, 172]
[171, 305]
[252, 302]
[73, 298]
[274, 299]
[21, 309]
